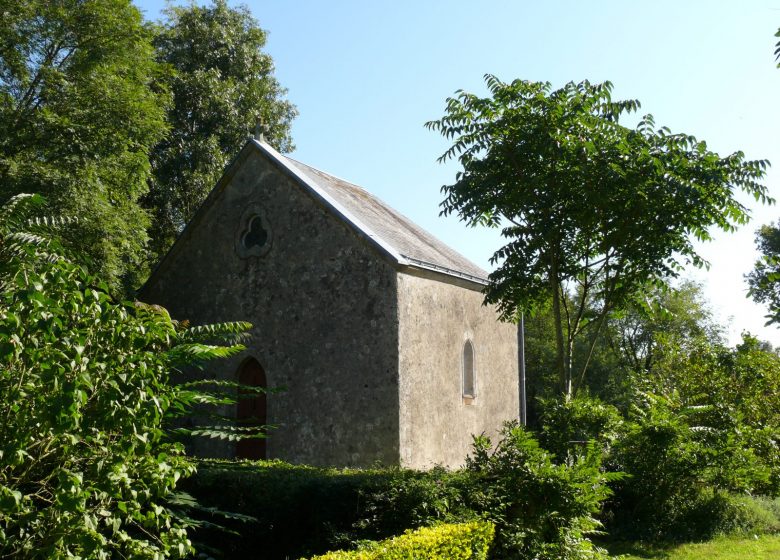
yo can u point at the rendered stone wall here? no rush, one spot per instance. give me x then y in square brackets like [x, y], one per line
[323, 306]
[437, 423]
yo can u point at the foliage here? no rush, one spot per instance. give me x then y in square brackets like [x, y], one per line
[648, 335]
[222, 82]
[677, 456]
[666, 321]
[608, 378]
[717, 514]
[413, 499]
[443, 542]
[569, 426]
[537, 506]
[302, 510]
[764, 280]
[78, 117]
[540, 509]
[777, 49]
[735, 514]
[735, 393]
[591, 209]
[86, 469]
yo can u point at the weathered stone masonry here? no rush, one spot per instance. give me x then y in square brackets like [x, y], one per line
[367, 343]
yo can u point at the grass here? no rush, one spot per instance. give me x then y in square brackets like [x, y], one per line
[725, 548]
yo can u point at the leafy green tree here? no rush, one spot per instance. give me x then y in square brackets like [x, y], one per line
[77, 121]
[87, 467]
[706, 423]
[608, 378]
[764, 280]
[665, 321]
[592, 210]
[222, 84]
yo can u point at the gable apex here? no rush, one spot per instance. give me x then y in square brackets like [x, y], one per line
[408, 245]
[331, 203]
[405, 244]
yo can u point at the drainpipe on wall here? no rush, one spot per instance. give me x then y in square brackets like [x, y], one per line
[521, 362]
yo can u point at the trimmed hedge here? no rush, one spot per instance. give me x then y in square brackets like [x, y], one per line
[464, 541]
[304, 511]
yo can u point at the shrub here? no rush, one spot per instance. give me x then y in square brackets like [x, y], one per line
[443, 542]
[680, 468]
[540, 509]
[303, 510]
[722, 513]
[569, 424]
[86, 468]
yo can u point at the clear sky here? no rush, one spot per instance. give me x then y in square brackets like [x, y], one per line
[366, 75]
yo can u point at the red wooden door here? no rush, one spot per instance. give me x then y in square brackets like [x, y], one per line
[251, 409]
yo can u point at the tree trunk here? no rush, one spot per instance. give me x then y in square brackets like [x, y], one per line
[563, 378]
[567, 389]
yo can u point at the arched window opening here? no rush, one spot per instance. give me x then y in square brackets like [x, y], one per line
[469, 379]
[251, 409]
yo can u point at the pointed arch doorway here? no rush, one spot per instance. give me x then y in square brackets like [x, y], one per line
[252, 409]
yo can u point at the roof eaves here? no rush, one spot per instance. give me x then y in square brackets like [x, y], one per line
[448, 271]
[342, 212]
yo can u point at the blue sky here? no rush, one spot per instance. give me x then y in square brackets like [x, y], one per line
[366, 76]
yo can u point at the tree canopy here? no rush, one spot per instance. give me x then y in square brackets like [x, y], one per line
[764, 279]
[592, 210]
[78, 118]
[222, 83]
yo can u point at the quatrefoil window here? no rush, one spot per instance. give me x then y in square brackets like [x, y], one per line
[254, 235]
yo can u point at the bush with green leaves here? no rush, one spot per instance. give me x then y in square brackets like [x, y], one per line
[568, 425]
[541, 509]
[465, 541]
[87, 469]
[303, 510]
[677, 458]
[723, 513]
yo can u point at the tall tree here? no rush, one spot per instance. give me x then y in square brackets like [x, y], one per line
[222, 83]
[666, 320]
[764, 279]
[592, 210]
[78, 119]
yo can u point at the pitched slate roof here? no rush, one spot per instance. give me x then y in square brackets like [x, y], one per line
[396, 235]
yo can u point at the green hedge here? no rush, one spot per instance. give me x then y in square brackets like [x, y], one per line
[304, 511]
[462, 541]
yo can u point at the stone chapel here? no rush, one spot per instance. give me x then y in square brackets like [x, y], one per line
[375, 330]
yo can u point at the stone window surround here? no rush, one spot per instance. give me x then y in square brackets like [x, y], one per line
[252, 212]
[468, 398]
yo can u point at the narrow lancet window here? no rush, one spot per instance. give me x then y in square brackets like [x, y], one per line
[469, 379]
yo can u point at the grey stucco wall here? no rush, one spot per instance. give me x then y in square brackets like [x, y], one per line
[323, 306]
[437, 423]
